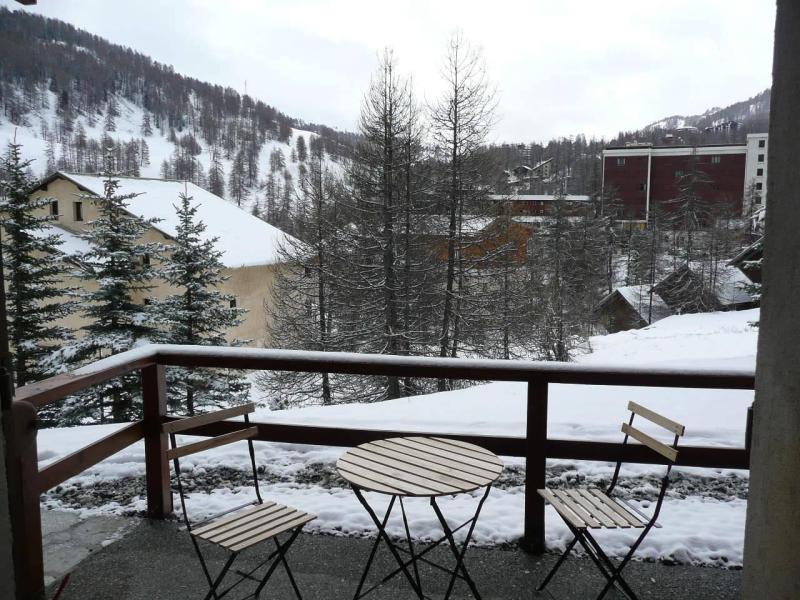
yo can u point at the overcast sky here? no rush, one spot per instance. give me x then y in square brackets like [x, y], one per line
[561, 67]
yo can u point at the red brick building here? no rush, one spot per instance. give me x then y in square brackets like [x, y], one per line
[645, 176]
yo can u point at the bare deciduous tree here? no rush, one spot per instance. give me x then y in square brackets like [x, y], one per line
[461, 120]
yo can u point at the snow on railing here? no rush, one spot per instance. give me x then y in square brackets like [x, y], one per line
[152, 360]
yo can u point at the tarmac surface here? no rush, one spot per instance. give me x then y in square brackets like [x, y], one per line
[152, 560]
[69, 539]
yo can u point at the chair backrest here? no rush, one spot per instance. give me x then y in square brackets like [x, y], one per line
[665, 451]
[668, 452]
[176, 452]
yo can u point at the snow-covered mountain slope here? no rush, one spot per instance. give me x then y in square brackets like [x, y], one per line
[37, 140]
[67, 95]
[753, 112]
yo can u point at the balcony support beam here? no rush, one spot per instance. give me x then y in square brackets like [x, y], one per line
[535, 466]
[154, 395]
[26, 519]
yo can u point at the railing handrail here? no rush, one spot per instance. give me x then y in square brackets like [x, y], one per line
[152, 360]
[43, 392]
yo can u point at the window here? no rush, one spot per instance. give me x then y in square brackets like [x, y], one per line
[760, 158]
[758, 200]
[620, 162]
[233, 303]
[759, 186]
[716, 159]
[148, 302]
[146, 260]
[78, 211]
[762, 143]
[54, 208]
[760, 172]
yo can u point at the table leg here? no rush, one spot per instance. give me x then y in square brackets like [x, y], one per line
[381, 525]
[410, 545]
[459, 554]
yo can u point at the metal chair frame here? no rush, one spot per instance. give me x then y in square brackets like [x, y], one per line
[612, 574]
[278, 556]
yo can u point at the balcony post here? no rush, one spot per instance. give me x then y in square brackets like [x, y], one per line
[154, 398]
[535, 466]
[26, 518]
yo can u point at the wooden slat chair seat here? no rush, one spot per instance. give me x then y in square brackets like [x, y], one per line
[239, 528]
[252, 526]
[590, 508]
[585, 509]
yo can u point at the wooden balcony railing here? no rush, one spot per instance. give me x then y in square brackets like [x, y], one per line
[535, 447]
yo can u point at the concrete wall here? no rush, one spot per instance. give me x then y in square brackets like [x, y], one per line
[772, 537]
[6, 564]
[756, 170]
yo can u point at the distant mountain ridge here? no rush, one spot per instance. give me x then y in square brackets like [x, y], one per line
[751, 114]
[67, 95]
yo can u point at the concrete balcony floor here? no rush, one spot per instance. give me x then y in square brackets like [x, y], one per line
[156, 560]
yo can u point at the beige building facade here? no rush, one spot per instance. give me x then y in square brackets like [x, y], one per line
[249, 246]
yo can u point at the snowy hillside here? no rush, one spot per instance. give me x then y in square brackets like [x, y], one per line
[36, 139]
[68, 96]
[703, 517]
[753, 113]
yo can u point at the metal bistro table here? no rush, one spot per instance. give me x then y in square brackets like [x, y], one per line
[420, 467]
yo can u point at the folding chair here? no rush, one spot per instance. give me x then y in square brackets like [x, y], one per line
[587, 508]
[243, 526]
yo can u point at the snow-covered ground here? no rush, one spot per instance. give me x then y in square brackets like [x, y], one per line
[698, 526]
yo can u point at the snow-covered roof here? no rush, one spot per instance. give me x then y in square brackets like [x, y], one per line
[539, 197]
[540, 218]
[752, 251]
[638, 297]
[244, 240]
[541, 163]
[440, 224]
[732, 286]
[71, 243]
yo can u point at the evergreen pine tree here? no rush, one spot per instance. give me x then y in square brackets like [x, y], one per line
[34, 270]
[276, 160]
[80, 141]
[198, 314]
[216, 174]
[118, 263]
[144, 153]
[146, 128]
[110, 123]
[237, 183]
[302, 153]
[50, 153]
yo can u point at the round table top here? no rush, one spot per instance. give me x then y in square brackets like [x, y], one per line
[419, 466]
